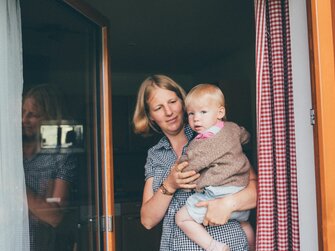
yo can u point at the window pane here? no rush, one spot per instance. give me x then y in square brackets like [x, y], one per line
[60, 124]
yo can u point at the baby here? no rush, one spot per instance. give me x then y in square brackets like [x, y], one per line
[216, 153]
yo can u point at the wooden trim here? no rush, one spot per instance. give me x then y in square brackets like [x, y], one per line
[88, 11]
[106, 121]
[333, 18]
[322, 61]
[107, 179]
[315, 129]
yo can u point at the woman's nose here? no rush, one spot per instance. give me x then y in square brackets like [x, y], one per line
[25, 118]
[168, 110]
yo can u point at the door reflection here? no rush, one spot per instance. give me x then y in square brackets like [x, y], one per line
[61, 52]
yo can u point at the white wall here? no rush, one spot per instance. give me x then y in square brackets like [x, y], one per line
[304, 130]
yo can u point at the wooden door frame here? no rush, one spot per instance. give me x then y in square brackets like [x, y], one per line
[321, 23]
[107, 179]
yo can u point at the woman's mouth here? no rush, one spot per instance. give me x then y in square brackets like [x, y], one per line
[171, 121]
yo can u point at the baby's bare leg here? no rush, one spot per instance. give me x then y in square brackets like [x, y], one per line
[249, 231]
[196, 232]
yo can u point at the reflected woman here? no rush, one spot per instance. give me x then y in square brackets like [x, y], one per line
[49, 175]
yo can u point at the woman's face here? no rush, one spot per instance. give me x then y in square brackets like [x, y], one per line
[31, 118]
[166, 110]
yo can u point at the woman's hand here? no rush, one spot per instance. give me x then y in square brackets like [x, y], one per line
[178, 179]
[154, 205]
[52, 211]
[218, 210]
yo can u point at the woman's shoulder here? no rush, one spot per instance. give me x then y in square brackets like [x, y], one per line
[190, 134]
[162, 143]
[231, 124]
[161, 153]
[233, 127]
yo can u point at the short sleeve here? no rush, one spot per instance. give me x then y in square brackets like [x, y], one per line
[149, 167]
[67, 167]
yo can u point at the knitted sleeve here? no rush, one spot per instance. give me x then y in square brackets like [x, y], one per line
[201, 154]
[244, 136]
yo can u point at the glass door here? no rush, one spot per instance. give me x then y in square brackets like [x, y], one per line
[66, 126]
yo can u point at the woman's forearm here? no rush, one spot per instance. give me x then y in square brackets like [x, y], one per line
[154, 206]
[50, 213]
[49, 210]
[247, 198]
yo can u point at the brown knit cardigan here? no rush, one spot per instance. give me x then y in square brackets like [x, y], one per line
[219, 159]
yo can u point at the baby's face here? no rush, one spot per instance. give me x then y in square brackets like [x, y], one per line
[204, 113]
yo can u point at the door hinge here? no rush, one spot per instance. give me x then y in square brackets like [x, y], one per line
[106, 223]
[312, 116]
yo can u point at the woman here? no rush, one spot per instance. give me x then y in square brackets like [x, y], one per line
[49, 175]
[160, 108]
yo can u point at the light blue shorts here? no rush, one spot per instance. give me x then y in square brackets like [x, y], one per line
[210, 193]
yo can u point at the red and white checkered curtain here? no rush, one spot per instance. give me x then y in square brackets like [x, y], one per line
[277, 210]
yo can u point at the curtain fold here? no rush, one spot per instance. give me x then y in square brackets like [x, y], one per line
[14, 229]
[277, 209]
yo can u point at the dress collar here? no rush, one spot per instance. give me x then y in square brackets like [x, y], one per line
[165, 143]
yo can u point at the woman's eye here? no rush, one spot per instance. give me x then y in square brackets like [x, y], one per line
[173, 101]
[33, 115]
[36, 115]
[157, 108]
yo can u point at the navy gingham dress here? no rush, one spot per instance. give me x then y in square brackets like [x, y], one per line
[160, 159]
[40, 170]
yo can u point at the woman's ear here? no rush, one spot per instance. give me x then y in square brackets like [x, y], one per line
[221, 112]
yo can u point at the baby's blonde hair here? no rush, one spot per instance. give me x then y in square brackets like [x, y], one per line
[209, 91]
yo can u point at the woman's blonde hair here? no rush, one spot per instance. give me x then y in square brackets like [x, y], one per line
[208, 91]
[48, 99]
[141, 119]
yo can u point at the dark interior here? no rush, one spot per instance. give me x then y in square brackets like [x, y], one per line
[192, 41]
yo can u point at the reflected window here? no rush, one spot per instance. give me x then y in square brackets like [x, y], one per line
[66, 137]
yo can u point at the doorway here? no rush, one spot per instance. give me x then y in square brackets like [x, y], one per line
[192, 42]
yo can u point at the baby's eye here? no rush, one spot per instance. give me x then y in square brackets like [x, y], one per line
[190, 114]
[203, 112]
